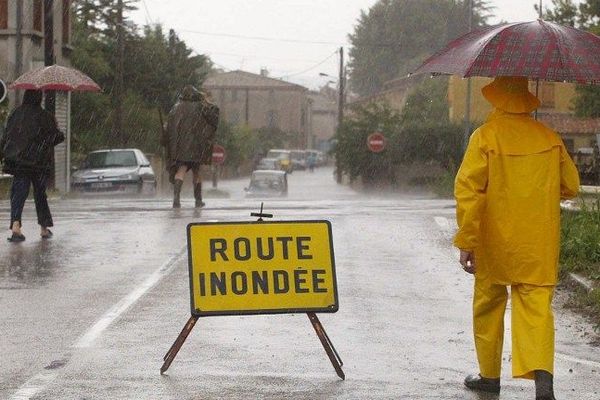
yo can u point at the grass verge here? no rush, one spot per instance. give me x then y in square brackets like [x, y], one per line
[580, 253]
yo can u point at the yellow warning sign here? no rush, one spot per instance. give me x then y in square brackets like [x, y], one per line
[261, 268]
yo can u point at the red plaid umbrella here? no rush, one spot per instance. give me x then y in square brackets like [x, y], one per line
[536, 50]
[55, 77]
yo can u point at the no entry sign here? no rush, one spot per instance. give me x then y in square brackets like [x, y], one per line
[218, 154]
[376, 142]
[261, 268]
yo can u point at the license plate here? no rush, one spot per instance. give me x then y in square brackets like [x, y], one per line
[100, 185]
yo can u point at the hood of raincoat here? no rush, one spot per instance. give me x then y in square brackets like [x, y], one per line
[511, 94]
[190, 93]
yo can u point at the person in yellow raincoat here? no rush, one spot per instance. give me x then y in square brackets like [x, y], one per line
[508, 190]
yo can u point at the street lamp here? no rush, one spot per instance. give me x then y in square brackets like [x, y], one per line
[340, 106]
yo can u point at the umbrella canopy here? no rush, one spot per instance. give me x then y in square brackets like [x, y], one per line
[536, 50]
[55, 77]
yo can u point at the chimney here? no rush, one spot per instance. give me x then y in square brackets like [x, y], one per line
[264, 71]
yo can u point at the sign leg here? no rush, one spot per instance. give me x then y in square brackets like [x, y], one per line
[170, 356]
[333, 355]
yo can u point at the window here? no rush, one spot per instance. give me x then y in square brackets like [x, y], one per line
[3, 14]
[66, 21]
[272, 119]
[37, 15]
[107, 159]
[234, 95]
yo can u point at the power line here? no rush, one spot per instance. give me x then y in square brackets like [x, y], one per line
[263, 38]
[148, 17]
[288, 40]
[311, 68]
[254, 56]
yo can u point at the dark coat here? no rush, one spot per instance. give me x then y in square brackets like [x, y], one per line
[191, 129]
[28, 141]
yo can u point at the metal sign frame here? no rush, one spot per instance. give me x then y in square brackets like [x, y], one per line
[329, 309]
[3, 91]
[332, 354]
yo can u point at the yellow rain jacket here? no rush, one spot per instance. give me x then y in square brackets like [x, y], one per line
[508, 191]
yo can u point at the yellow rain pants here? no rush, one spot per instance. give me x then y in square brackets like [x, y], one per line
[532, 328]
[508, 188]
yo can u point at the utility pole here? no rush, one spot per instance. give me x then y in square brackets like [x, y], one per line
[117, 129]
[49, 59]
[19, 40]
[338, 171]
[468, 97]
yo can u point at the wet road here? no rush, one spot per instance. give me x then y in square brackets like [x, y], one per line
[90, 313]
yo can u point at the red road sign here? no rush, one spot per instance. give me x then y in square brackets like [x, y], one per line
[218, 154]
[376, 142]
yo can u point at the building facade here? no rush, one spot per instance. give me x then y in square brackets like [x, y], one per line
[258, 101]
[34, 33]
[555, 98]
[323, 121]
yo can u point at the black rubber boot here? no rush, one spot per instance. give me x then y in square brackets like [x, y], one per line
[544, 385]
[477, 382]
[198, 195]
[177, 193]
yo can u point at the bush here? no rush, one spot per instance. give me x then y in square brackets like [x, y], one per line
[580, 240]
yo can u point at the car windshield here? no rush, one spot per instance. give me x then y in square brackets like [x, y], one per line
[278, 154]
[107, 159]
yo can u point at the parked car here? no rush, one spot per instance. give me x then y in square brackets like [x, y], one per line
[269, 164]
[267, 184]
[115, 171]
[284, 157]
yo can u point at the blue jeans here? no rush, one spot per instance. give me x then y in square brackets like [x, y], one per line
[19, 192]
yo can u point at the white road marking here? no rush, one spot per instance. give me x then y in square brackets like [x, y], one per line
[34, 385]
[123, 305]
[443, 223]
[42, 380]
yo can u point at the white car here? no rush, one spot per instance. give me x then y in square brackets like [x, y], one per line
[115, 171]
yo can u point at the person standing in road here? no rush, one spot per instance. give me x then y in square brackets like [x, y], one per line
[27, 144]
[189, 140]
[508, 190]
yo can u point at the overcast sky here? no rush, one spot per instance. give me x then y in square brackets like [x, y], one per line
[294, 39]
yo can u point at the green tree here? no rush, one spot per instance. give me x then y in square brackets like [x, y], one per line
[422, 132]
[395, 36]
[585, 15]
[351, 152]
[427, 133]
[156, 67]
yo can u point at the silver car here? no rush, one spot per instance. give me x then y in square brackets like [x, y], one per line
[269, 183]
[126, 171]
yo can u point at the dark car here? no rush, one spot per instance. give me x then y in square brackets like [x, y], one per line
[265, 183]
[115, 171]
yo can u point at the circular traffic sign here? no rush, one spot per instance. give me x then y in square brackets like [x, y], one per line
[218, 154]
[3, 91]
[376, 142]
